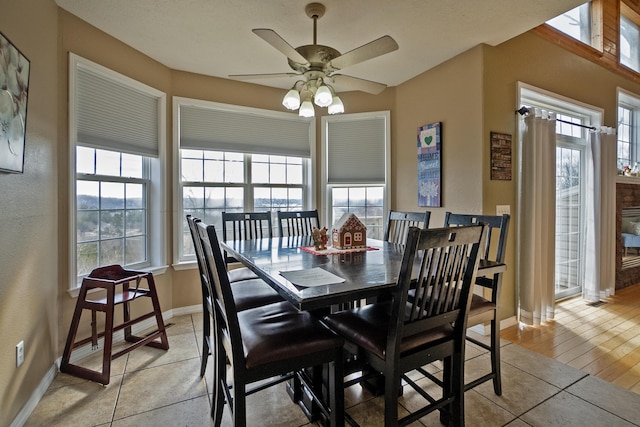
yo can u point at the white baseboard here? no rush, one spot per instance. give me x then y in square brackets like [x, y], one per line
[35, 397]
[86, 350]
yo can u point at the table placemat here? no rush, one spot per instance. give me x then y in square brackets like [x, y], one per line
[333, 251]
[311, 277]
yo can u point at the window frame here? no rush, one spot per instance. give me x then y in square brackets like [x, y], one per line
[634, 17]
[630, 101]
[327, 200]
[155, 192]
[595, 27]
[591, 115]
[183, 261]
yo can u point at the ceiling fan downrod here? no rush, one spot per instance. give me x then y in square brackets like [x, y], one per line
[315, 11]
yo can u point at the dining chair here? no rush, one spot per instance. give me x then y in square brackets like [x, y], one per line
[398, 224]
[487, 308]
[274, 342]
[297, 223]
[246, 294]
[399, 335]
[244, 226]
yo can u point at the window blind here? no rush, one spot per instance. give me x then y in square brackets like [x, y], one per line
[113, 115]
[211, 128]
[356, 150]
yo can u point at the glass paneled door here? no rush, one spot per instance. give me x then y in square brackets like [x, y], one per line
[569, 215]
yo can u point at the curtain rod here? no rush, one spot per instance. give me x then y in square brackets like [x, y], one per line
[525, 111]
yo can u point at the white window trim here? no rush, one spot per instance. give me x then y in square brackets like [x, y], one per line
[327, 201]
[632, 100]
[157, 215]
[310, 176]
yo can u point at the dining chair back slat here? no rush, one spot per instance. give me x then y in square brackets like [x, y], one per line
[297, 223]
[398, 224]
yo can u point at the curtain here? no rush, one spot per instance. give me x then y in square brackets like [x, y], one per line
[600, 203]
[536, 217]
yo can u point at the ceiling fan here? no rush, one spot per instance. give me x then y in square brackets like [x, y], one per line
[316, 65]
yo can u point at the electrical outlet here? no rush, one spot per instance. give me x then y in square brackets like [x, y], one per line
[503, 209]
[19, 353]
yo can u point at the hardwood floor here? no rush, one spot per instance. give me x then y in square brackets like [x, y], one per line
[603, 341]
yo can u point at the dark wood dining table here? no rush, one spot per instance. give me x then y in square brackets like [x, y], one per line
[366, 272]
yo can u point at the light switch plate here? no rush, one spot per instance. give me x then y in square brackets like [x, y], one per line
[503, 209]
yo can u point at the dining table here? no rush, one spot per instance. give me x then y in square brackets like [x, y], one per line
[322, 280]
[312, 279]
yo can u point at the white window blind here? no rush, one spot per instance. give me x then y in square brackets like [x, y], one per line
[356, 150]
[116, 113]
[224, 128]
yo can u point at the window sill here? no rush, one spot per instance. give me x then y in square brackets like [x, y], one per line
[156, 271]
[185, 265]
[635, 180]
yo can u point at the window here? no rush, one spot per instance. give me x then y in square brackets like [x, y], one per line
[111, 209]
[629, 37]
[214, 182]
[356, 169]
[238, 159]
[575, 23]
[570, 152]
[117, 170]
[628, 163]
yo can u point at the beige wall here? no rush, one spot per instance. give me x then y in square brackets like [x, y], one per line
[471, 95]
[29, 214]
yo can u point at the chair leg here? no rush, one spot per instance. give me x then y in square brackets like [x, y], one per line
[447, 382]
[219, 383]
[206, 339]
[495, 355]
[336, 392]
[391, 386]
[457, 411]
[239, 411]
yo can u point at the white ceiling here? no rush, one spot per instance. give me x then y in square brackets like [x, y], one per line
[213, 37]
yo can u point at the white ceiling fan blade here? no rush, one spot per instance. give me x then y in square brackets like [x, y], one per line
[279, 43]
[384, 44]
[262, 76]
[356, 83]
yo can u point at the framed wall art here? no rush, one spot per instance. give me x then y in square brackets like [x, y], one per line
[500, 156]
[14, 90]
[430, 165]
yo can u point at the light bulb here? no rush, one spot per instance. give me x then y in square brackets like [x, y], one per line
[306, 109]
[323, 96]
[291, 100]
[336, 106]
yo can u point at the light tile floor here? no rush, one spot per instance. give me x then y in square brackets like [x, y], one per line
[151, 387]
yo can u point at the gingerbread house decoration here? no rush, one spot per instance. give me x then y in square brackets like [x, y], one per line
[349, 233]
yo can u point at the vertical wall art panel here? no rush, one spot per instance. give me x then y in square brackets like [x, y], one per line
[430, 165]
[14, 88]
[500, 156]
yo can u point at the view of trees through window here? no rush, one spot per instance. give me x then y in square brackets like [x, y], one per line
[575, 23]
[216, 181]
[111, 209]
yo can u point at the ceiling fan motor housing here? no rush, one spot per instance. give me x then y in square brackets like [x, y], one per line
[318, 56]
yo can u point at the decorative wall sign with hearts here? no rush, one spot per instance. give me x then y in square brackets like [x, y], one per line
[430, 165]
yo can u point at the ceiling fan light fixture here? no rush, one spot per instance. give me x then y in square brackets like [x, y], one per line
[291, 100]
[323, 97]
[336, 107]
[306, 109]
